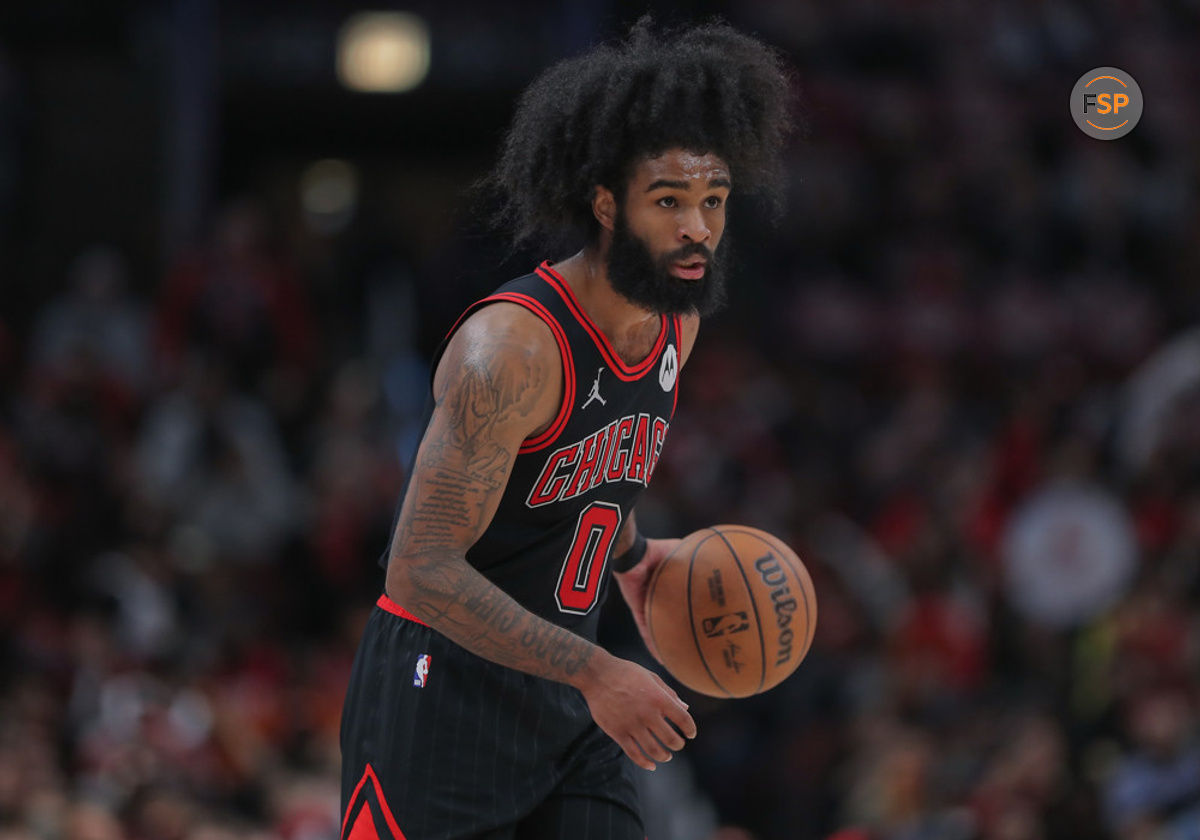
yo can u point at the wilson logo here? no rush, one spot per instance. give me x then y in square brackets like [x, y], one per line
[772, 575]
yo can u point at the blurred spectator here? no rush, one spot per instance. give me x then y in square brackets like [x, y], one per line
[1155, 787]
[95, 319]
[88, 821]
[213, 459]
[355, 480]
[238, 300]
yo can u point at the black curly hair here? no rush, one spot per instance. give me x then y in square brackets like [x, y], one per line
[588, 120]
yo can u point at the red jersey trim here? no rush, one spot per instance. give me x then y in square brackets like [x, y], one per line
[533, 444]
[625, 372]
[388, 605]
[679, 373]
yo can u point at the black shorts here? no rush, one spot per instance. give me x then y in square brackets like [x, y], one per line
[440, 744]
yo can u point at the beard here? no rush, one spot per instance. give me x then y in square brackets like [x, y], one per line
[642, 279]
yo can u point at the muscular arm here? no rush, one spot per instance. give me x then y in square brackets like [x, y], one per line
[499, 381]
[634, 582]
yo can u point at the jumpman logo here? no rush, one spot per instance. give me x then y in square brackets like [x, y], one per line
[595, 393]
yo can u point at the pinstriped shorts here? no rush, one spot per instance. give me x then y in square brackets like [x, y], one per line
[440, 744]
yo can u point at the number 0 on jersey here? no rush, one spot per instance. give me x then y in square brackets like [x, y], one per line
[579, 581]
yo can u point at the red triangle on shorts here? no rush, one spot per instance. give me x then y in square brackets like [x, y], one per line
[364, 826]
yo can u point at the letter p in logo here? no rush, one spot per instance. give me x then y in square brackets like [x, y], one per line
[1106, 103]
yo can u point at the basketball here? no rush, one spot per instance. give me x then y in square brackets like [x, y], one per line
[731, 611]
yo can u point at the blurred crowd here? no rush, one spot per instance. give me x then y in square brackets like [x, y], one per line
[961, 378]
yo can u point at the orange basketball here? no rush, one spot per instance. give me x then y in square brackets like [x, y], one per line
[731, 611]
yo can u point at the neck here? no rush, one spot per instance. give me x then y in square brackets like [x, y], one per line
[587, 274]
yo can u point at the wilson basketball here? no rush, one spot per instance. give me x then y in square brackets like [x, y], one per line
[731, 611]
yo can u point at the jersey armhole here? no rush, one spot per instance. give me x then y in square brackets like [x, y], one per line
[545, 438]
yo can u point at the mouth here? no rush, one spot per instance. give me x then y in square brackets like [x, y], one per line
[689, 269]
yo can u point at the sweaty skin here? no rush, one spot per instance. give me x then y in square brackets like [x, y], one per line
[498, 383]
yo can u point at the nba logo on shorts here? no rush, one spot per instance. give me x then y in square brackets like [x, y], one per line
[422, 673]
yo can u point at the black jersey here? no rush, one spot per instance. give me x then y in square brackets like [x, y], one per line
[572, 486]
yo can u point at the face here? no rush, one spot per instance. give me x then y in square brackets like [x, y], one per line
[665, 233]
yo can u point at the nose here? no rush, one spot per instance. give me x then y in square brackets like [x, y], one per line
[692, 227]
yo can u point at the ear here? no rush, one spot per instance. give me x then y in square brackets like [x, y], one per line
[604, 207]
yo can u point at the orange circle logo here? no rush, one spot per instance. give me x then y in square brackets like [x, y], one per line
[1106, 103]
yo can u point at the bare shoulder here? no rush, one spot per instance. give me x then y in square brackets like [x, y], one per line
[507, 357]
[504, 326]
[691, 327]
[498, 382]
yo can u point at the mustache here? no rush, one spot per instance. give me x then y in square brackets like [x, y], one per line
[694, 249]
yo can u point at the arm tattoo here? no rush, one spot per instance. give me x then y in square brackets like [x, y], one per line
[460, 474]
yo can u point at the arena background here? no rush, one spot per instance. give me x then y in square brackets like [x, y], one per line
[961, 378]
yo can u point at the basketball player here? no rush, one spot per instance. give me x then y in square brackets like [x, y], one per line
[480, 705]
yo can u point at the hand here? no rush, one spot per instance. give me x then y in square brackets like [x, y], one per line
[633, 586]
[637, 709]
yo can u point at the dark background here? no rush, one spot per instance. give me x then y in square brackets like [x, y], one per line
[960, 377]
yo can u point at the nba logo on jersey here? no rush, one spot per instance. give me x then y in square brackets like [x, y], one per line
[421, 674]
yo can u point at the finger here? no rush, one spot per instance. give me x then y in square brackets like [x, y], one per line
[634, 751]
[682, 721]
[670, 692]
[667, 735]
[651, 747]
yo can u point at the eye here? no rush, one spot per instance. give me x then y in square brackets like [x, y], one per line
[667, 201]
[713, 202]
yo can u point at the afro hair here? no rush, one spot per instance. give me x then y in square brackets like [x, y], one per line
[588, 120]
